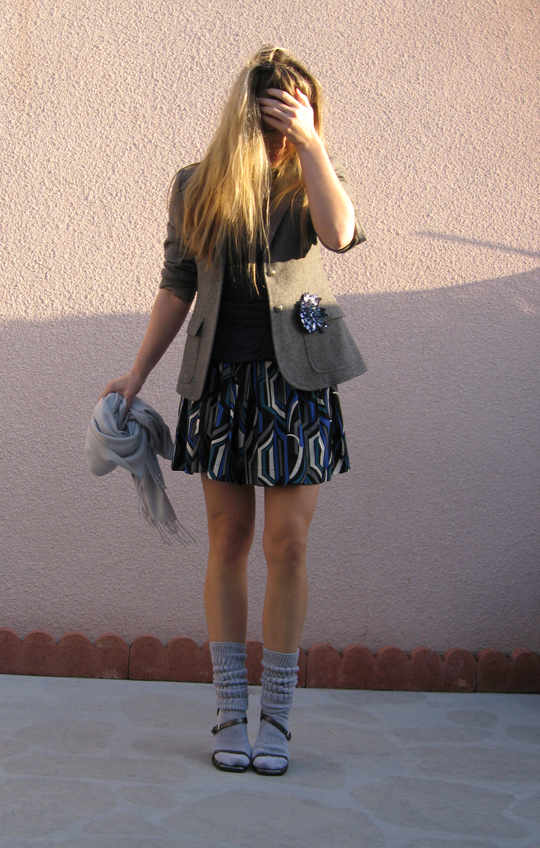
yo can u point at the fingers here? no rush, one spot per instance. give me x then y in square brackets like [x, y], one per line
[277, 114]
[125, 394]
[284, 107]
[117, 386]
[270, 105]
[128, 386]
[291, 116]
[280, 94]
[303, 97]
[289, 107]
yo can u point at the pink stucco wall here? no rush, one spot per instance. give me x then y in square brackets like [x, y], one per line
[433, 537]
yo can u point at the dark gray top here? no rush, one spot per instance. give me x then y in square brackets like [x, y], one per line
[244, 331]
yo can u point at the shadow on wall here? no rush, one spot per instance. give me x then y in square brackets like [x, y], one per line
[442, 430]
[492, 245]
[453, 379]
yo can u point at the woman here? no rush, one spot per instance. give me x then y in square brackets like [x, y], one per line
[259, 404]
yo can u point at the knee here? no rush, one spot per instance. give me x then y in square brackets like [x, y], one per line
[230, 541]
[285, 547]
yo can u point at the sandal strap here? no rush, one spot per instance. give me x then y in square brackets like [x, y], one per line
[230, 723]
[286, 733]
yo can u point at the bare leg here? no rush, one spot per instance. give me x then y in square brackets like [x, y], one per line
[231, 522]
[288, 511]
[231, 518]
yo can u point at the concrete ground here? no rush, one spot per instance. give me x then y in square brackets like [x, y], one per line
[118, 763]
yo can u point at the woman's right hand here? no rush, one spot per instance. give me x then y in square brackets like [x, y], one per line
[129, 386]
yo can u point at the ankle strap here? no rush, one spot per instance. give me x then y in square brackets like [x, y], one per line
[279, 726]
[230, 723]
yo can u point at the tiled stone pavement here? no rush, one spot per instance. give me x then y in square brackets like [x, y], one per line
[115, 763]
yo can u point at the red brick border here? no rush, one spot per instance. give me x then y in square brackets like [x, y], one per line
[321, 666]
[73, 656]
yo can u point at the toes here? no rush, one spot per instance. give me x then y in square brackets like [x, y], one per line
[234, 760]
[231, 762]
[270, 763]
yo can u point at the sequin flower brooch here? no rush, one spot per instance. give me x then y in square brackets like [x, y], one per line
[312, 316]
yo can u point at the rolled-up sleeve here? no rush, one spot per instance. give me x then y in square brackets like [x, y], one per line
[178, 274]
[359, 235]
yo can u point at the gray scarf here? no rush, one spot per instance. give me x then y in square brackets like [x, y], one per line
[134, 441]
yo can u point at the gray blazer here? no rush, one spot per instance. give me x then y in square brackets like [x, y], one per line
[307, 360]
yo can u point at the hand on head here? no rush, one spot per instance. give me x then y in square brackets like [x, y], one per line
[291, 116]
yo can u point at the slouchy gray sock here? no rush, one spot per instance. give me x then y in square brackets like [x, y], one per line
[231, 685]
[280, 673]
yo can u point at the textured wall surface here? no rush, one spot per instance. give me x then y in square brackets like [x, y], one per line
[433, 107]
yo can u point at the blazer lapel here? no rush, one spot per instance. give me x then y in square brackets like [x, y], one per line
[276, 217]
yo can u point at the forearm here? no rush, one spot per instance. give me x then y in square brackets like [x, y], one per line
[331, 209]
[167, 316]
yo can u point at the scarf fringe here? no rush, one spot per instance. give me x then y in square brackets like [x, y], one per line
[169, 531]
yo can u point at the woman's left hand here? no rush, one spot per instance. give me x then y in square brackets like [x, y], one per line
[293, 116]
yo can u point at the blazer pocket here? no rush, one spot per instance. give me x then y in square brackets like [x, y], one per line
[191, 350]
[334, 349]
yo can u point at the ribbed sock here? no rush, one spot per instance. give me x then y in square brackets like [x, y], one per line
[231, 685]
[280, 673]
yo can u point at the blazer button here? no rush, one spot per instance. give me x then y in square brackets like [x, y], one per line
[278, 308]
[271, 272]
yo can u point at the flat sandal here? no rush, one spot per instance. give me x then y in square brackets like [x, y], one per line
[267, 771]
[219, 765]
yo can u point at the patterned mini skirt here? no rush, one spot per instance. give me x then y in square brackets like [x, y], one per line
[252, 427]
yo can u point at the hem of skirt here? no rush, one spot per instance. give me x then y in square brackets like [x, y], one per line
[260, 483]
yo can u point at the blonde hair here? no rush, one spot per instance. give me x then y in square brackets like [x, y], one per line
[230, 194]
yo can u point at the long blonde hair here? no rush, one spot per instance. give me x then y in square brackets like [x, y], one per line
[230, 194]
